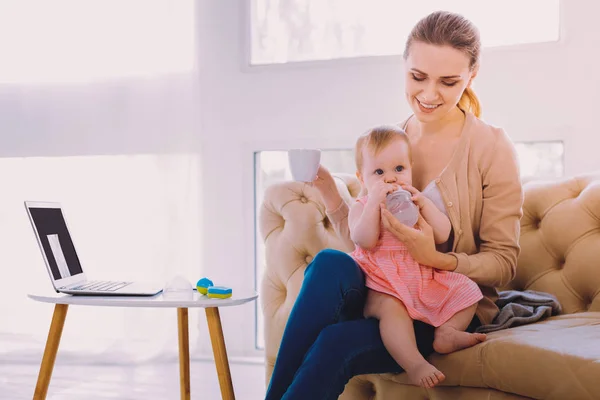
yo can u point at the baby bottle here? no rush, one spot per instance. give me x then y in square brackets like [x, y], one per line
[401, 206]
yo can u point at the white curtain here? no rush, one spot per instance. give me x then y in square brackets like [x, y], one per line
[117, 143]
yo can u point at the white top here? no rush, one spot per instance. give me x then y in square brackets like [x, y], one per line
[432, 192]
[187, 300]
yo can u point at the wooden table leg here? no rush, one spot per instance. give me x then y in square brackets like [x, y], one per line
[184, 353]
[56, 328]
[220, 352]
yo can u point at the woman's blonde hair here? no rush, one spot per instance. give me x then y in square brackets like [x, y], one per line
[444, 28]
[377, 139]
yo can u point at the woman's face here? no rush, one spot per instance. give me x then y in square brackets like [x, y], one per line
[435, 79]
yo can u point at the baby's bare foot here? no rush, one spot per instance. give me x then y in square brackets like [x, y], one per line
[425, 375]
[448, 340]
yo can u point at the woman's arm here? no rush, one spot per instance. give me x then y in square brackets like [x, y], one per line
[496, 262]
[364, 221]
[335, 207]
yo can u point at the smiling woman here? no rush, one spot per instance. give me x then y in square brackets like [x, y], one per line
[450, 46]
[442, 86]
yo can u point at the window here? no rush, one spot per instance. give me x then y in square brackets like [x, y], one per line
[131, 217]
[78, 41]
[542, 159]
[285, 31]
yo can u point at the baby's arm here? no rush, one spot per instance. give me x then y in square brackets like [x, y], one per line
[364, 221]
[438, 220]
[440, 224]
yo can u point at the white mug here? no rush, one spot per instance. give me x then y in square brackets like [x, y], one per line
[304, 164]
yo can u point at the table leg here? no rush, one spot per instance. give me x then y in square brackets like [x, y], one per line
[220, 352]
[56, 328]
[184, 353]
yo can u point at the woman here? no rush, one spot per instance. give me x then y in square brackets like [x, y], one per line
[467, 166]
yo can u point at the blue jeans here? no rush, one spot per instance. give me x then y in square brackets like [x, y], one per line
[326, 340]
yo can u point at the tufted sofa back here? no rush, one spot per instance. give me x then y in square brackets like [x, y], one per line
[560, 245]
[560, 242]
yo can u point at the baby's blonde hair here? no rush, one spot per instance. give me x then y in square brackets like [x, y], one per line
[377, 139]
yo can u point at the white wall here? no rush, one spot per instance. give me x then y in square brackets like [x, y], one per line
[125, 116]
[546, 91]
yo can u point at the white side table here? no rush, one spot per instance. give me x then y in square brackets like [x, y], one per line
[213, 318]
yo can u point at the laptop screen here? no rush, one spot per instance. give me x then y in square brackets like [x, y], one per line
[56, 241]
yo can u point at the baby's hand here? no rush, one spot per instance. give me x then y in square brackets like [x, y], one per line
[380, 190]
[417, 197]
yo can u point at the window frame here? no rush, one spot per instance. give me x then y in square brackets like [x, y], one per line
[247, 66]
[186, 62]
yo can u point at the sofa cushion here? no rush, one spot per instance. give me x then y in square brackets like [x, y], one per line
[560, 232]
[558, 358]
[376, 387]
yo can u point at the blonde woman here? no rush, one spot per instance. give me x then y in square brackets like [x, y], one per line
[468, 165]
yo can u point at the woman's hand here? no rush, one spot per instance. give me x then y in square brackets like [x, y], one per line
[325, 184]
[420, 242]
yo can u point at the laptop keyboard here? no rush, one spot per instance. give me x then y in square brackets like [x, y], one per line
[101, 286]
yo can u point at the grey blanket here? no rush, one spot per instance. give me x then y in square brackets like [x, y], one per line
[521, 308]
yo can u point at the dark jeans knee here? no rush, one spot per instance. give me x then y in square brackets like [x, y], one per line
[334, 266]
[334, 271]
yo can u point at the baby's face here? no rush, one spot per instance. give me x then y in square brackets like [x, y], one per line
[391, 165]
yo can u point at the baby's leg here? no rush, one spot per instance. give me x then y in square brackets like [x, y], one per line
[451, 336]
[398, 335]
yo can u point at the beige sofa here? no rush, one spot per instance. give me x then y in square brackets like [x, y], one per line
[558, 358]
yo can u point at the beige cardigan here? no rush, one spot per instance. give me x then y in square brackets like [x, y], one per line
[481, 187]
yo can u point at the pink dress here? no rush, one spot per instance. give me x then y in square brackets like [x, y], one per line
[429, 295]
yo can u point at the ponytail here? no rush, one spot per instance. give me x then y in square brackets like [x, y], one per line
[470, 103]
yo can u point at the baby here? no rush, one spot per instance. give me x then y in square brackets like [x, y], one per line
[400, 289]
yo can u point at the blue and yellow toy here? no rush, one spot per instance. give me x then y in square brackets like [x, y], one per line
[203, 285]
[219, 292]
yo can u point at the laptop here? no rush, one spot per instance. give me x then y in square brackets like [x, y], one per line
[65, 270]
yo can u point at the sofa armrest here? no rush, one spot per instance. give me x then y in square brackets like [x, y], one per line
[294, 228]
